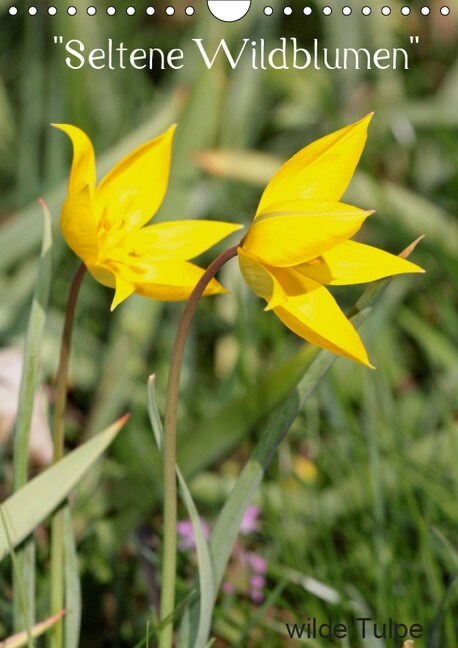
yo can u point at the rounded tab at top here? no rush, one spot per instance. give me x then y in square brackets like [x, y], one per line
[229, 10]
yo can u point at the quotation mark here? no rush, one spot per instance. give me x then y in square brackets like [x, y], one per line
[414, 39]
[58, 39]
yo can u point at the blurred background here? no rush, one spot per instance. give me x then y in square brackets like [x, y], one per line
[358, 513]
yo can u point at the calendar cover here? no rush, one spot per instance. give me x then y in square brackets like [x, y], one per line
[228, 323]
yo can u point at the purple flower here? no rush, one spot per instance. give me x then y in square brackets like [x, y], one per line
[250, 522]
[256, 562]
[187, 539]
[257, 581]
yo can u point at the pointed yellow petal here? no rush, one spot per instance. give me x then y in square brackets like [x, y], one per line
[83, 165]
[275, 285]
[321, 170]
[317, 318]
[78, 225]
[165, 280]
[293, 283]
[181, 240]
[103, 275]
[353, 263]
[317, 269]
[131, 193]
[124, 289]
[289, 239]
[261, 280]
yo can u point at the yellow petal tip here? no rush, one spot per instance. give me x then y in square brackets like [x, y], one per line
[366, 120]
[123, 290]
[64, 127]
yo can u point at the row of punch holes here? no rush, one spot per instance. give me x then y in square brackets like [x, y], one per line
[268, 11]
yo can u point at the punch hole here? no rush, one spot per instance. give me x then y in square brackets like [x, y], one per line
[52, 11]
[288, 11]
[71, 10]
[346, 11]
[366, 11]
[189, 11]
[91, 11]
[169, 11]
[268, 11]
[425, 11]
[445, 11]
[327, 11]
[32, 11]
[405, 11]
[386, 11]
[307, 11]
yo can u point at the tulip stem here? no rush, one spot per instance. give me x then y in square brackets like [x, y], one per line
[62, 373]
[57, 529]
[170, 486]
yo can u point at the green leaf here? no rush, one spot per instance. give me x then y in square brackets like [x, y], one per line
[30, 505]
[206, 577]
[72, 584]
[26, 556]
[31, 355]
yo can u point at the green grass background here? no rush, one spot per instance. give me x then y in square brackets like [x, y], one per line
[375, 532]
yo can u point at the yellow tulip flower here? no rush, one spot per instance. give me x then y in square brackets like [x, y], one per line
[104, 224]
[299, 242]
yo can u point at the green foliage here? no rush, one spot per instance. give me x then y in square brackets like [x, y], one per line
[32, 503]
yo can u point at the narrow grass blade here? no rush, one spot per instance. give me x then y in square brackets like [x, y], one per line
[26, 554]
[72, 584]
[154, 416]
[206, 578]
[156, 629]
[31, 355]
[434, 637]
[30, 505]
[20, 595]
